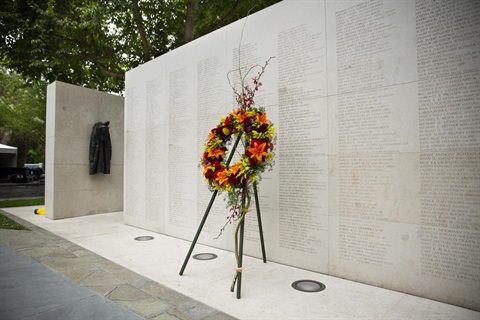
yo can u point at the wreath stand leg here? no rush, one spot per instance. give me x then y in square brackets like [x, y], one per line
[238, 276]
[240, 256]
[259, 218]
[200, 227]
[205, 215]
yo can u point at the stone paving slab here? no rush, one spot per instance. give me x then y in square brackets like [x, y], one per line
[101, 278]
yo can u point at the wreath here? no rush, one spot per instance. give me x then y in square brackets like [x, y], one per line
[258, 134]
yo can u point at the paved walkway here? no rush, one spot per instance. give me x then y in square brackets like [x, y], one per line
[99, 252]
[43, 276]
[30, 290]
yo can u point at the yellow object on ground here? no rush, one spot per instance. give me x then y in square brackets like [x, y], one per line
[40, 211]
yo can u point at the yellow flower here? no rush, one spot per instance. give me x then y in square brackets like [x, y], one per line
[258, 135]
[244, 167]
[271, 131]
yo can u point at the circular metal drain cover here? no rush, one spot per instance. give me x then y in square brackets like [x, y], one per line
[308, 286]
[204, 256]
[144, 238]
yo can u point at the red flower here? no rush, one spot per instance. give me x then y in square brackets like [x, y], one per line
[256, 141]
[219, 132]
[208, 174]
[232, 180]
[263, 128]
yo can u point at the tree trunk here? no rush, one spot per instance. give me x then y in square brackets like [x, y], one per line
[192, 6]
[137, 15]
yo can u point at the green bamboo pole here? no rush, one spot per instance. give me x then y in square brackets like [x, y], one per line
[239, 247]
[259, 218]
[200, 227]
[240, 244]
[240, 256]
[205, 215]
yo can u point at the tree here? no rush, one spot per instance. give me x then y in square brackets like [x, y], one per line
[93, 43]
[22, 116]
[90, 43]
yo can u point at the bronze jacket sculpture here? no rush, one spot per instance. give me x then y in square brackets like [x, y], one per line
[100, 148]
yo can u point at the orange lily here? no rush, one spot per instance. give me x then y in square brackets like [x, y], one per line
[216, 153]
[262, 119]
[221, 177]
[234, 169]
[205, 169]
[211, 136]
[242, 116]
[258, 151]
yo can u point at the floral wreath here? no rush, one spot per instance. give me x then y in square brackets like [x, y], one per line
[250, 125]
[257, 157]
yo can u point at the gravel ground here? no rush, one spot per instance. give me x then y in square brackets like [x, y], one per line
[21, 190]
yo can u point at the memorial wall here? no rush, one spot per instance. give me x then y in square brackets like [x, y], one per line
[377, 110]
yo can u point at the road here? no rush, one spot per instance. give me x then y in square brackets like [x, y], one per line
[21, 190]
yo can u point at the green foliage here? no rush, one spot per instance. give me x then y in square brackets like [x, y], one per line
[212, 15]
[93, 42]
[60, 40]
[6, 223]
[21, 203]
[89, 43]
[22, 116]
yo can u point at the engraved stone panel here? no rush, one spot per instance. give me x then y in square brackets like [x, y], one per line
[147, 138]
[211, 105]
[182, 150]
[371, 44]
[407, 164]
